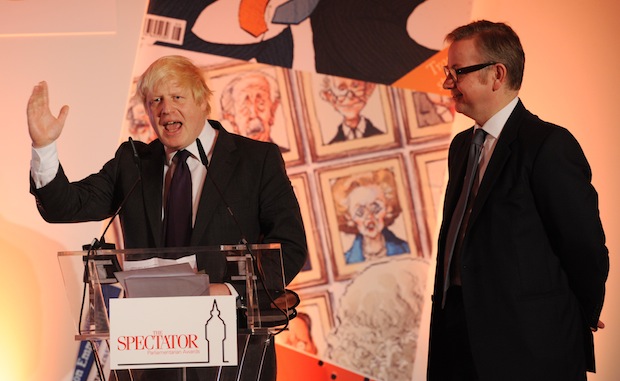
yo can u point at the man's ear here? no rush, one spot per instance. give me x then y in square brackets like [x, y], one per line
[500, 76]
[204, 106]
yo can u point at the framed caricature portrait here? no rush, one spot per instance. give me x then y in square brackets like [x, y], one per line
[369, 213]
[426, 116]
[346, 116]
[313, 272]
[378, 317]
[431, 168]
[254, 100]
[309, 330]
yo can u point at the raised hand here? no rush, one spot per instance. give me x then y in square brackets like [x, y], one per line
[43, 126]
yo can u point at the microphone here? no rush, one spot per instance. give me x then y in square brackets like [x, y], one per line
[136, 158]
[205, 162]
[100, 243]
[260, 273]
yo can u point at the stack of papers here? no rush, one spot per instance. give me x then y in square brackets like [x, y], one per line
[169, 280]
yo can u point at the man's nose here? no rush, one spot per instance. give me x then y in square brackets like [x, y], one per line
[448, 83]
[165, 107]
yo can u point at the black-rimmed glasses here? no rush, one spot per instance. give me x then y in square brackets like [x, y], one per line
[454, 73]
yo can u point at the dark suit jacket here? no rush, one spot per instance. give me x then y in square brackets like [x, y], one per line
[534, 261]
[370, 130]
[250, 174]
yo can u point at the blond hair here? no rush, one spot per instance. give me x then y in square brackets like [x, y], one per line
[179, 69]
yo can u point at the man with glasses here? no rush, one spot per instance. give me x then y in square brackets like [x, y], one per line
[520, 278]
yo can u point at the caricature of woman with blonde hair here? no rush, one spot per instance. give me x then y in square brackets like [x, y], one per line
[366, 204]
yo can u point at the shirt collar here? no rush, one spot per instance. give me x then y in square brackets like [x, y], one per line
[207, 138]
[495, 125]
[361, 127]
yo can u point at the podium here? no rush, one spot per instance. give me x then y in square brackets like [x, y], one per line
[263, 305]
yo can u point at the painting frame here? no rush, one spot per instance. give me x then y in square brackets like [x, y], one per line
[286, 126]
[423, 119]
[431, 171]
[318, 115]
[404, 225]
[316, 274]
[318, 307]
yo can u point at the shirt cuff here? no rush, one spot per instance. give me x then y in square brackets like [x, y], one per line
[44, 165]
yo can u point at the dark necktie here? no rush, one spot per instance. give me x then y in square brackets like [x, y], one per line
[178, 213]
[459, 212]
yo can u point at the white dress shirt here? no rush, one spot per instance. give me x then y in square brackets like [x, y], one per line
[493, 127]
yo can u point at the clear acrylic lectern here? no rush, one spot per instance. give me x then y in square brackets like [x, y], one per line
[255, 271]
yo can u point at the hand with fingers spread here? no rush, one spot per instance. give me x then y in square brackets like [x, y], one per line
[43, 126]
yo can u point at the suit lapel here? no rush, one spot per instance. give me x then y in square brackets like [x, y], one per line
[223, 162]
[152, 185]
[459, 151]
[500, 157]
[457, 174]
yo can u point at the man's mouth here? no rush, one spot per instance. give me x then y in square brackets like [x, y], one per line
[172, 126]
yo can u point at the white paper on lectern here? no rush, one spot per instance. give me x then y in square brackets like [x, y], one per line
[158, 262]
[198, 331]
[172, 280]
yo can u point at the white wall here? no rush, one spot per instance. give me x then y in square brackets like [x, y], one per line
[571, 78]
[91, 73]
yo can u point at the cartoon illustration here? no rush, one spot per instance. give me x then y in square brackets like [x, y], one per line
[299, 334]
[433, 109]
[349, 97]
[366, 205]
[138, 123]
[249, 102]
[246, 29]
[377, 331]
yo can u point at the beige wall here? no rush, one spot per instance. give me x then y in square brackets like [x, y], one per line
[570, 79]
[571, 50]
[91, 73]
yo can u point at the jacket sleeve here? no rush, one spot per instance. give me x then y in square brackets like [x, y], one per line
[93, 198]
[280, 216]
[568, 205]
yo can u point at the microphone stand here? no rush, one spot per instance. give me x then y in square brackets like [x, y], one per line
[100, 244]
[260, 273]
